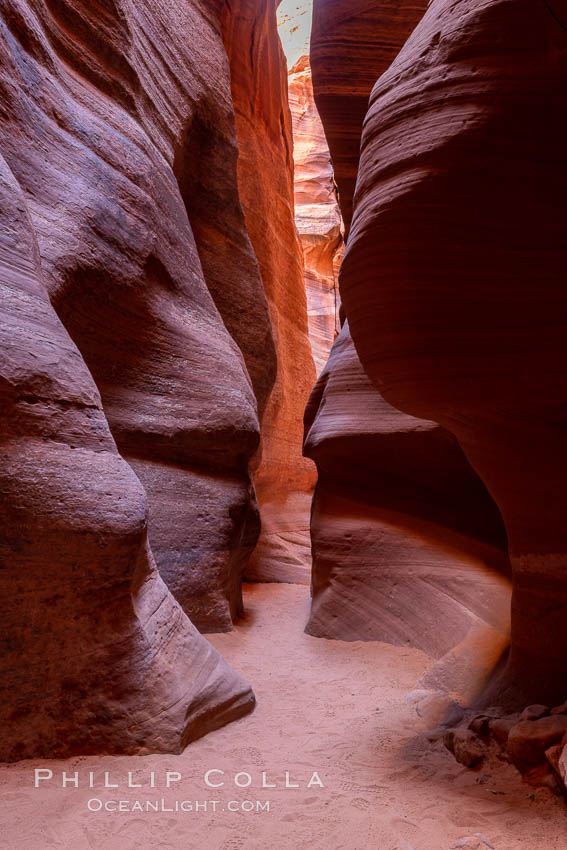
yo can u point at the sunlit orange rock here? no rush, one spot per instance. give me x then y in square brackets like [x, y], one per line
[284, 479]
[317, 214]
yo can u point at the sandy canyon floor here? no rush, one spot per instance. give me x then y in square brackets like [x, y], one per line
[327, 706]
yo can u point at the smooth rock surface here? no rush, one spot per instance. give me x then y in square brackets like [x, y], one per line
[317, 214]
[131, 174]
[97, 657]
[352, 43]
[407, 544]
[454, 282]
[265, 178]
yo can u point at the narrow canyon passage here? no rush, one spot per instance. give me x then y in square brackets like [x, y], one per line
[329, 706]
[282, 425]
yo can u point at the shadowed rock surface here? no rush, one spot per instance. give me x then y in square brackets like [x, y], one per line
[454, 282]
[119, 139]
[352, 43]
[96, 654]
[407, 544]
[284, 478]
[112, 165]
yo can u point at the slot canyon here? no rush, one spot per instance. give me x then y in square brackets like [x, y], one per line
[283, 548]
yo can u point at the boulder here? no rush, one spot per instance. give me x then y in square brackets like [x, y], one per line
[467, 747]
[528, 740]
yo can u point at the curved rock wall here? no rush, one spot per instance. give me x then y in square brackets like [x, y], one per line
[362, 36]
[109, 178]
[317, 214]
[404, 535]
[459, 215]
[137, 329]
[284, 479]
[96, 655]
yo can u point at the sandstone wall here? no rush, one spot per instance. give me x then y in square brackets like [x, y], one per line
[284, 479]
[96, 655]
[317, 214]
[408, 545]
[352, 43]
[136, 328]
[453, 281]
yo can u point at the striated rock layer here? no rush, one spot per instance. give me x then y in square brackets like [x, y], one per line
[96, 655]
[404, 535]
[352, 43]
[135, 198]
[123, 216]
[407, 544]
[317, 214]
[454, 281]
[284, 479]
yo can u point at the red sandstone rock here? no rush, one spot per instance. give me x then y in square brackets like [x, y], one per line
[500, 727]
[454, 281]
[559, 760]
[125, 148]
[553, 756]
[352, 43]
[529, 739]
[534, 712]
[467, 747]
[317, 214]
[395, 494]
[265, 177]
[406, 541]
[96, 654]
